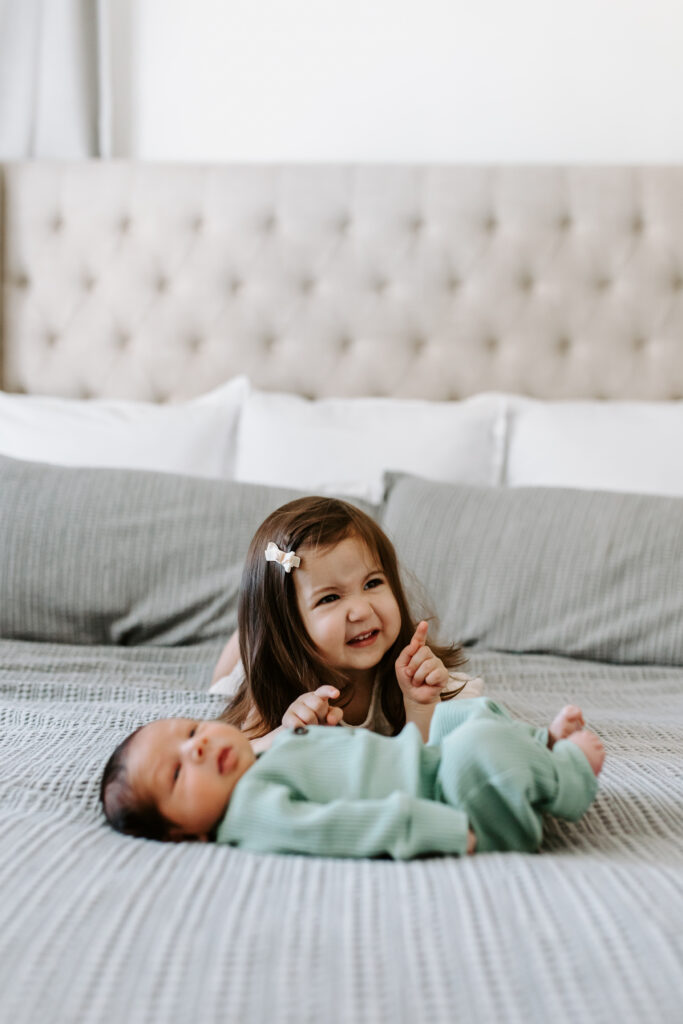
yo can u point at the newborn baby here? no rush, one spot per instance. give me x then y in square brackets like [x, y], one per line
[482, 781]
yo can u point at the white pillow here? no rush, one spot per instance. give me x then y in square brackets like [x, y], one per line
[606, 445]
[344, 445]
[197, 437]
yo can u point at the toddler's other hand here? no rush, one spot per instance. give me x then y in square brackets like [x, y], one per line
[420, 674]
[313, 708]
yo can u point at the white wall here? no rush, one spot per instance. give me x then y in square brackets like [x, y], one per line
[404, 80]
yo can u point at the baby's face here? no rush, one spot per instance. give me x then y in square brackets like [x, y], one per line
[188, 769]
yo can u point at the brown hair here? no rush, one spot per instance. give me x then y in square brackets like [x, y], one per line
[280, 660]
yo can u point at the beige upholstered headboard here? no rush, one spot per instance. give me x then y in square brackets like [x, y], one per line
[159, 281]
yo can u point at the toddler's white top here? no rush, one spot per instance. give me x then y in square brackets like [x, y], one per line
[375, 720]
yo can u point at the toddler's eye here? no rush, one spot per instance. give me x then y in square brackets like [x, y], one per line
[328, 599]
[377, 582]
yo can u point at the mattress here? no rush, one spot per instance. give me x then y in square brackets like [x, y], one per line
[99, 927]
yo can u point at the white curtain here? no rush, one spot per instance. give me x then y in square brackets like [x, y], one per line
[54, 75]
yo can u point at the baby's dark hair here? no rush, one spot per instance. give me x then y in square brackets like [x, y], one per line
[123, 808]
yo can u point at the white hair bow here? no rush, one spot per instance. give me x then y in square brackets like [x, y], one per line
[287, 559]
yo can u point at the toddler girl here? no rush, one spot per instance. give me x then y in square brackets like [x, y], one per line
[325, 632]
[483, 782]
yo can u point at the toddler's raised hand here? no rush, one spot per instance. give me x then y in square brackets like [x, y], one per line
[420, 674]
[313, 708]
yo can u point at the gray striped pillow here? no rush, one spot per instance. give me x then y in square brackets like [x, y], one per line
[589, 574]
[111, 556]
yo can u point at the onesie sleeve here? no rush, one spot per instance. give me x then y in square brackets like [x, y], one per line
[270, 818]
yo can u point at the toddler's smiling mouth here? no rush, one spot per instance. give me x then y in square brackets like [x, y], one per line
[363, 638]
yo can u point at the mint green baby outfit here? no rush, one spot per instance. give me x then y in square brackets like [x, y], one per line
[352, 793]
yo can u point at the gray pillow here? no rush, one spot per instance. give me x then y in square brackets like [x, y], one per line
[110, 556]
[589, 574]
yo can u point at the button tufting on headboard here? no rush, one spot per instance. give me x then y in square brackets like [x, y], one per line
[432, 281]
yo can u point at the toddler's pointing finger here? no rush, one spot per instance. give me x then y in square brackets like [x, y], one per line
[418, 641]
[420, 635]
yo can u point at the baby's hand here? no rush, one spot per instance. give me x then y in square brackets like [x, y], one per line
[313, 708]
[420, 674]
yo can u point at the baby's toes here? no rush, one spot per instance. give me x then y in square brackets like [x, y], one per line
[566, 722]
[574, 716]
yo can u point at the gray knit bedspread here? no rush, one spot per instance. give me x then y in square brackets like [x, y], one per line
[95, 926]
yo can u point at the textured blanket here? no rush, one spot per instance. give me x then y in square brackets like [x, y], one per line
[98, 927]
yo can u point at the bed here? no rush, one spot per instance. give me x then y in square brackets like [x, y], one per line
[186, 347]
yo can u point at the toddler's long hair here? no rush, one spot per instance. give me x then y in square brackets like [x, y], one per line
[280, 660]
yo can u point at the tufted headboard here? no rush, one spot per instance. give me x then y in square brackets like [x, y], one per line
[159, 281]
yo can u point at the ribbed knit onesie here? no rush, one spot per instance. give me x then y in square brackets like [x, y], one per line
[351, 793]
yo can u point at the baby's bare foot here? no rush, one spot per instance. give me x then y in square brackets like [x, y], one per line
[592, 748]
[569, 720]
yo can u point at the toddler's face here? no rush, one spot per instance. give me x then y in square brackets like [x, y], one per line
[188, 769]
[347, 606]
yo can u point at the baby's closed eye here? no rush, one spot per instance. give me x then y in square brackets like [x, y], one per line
[176, 770]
